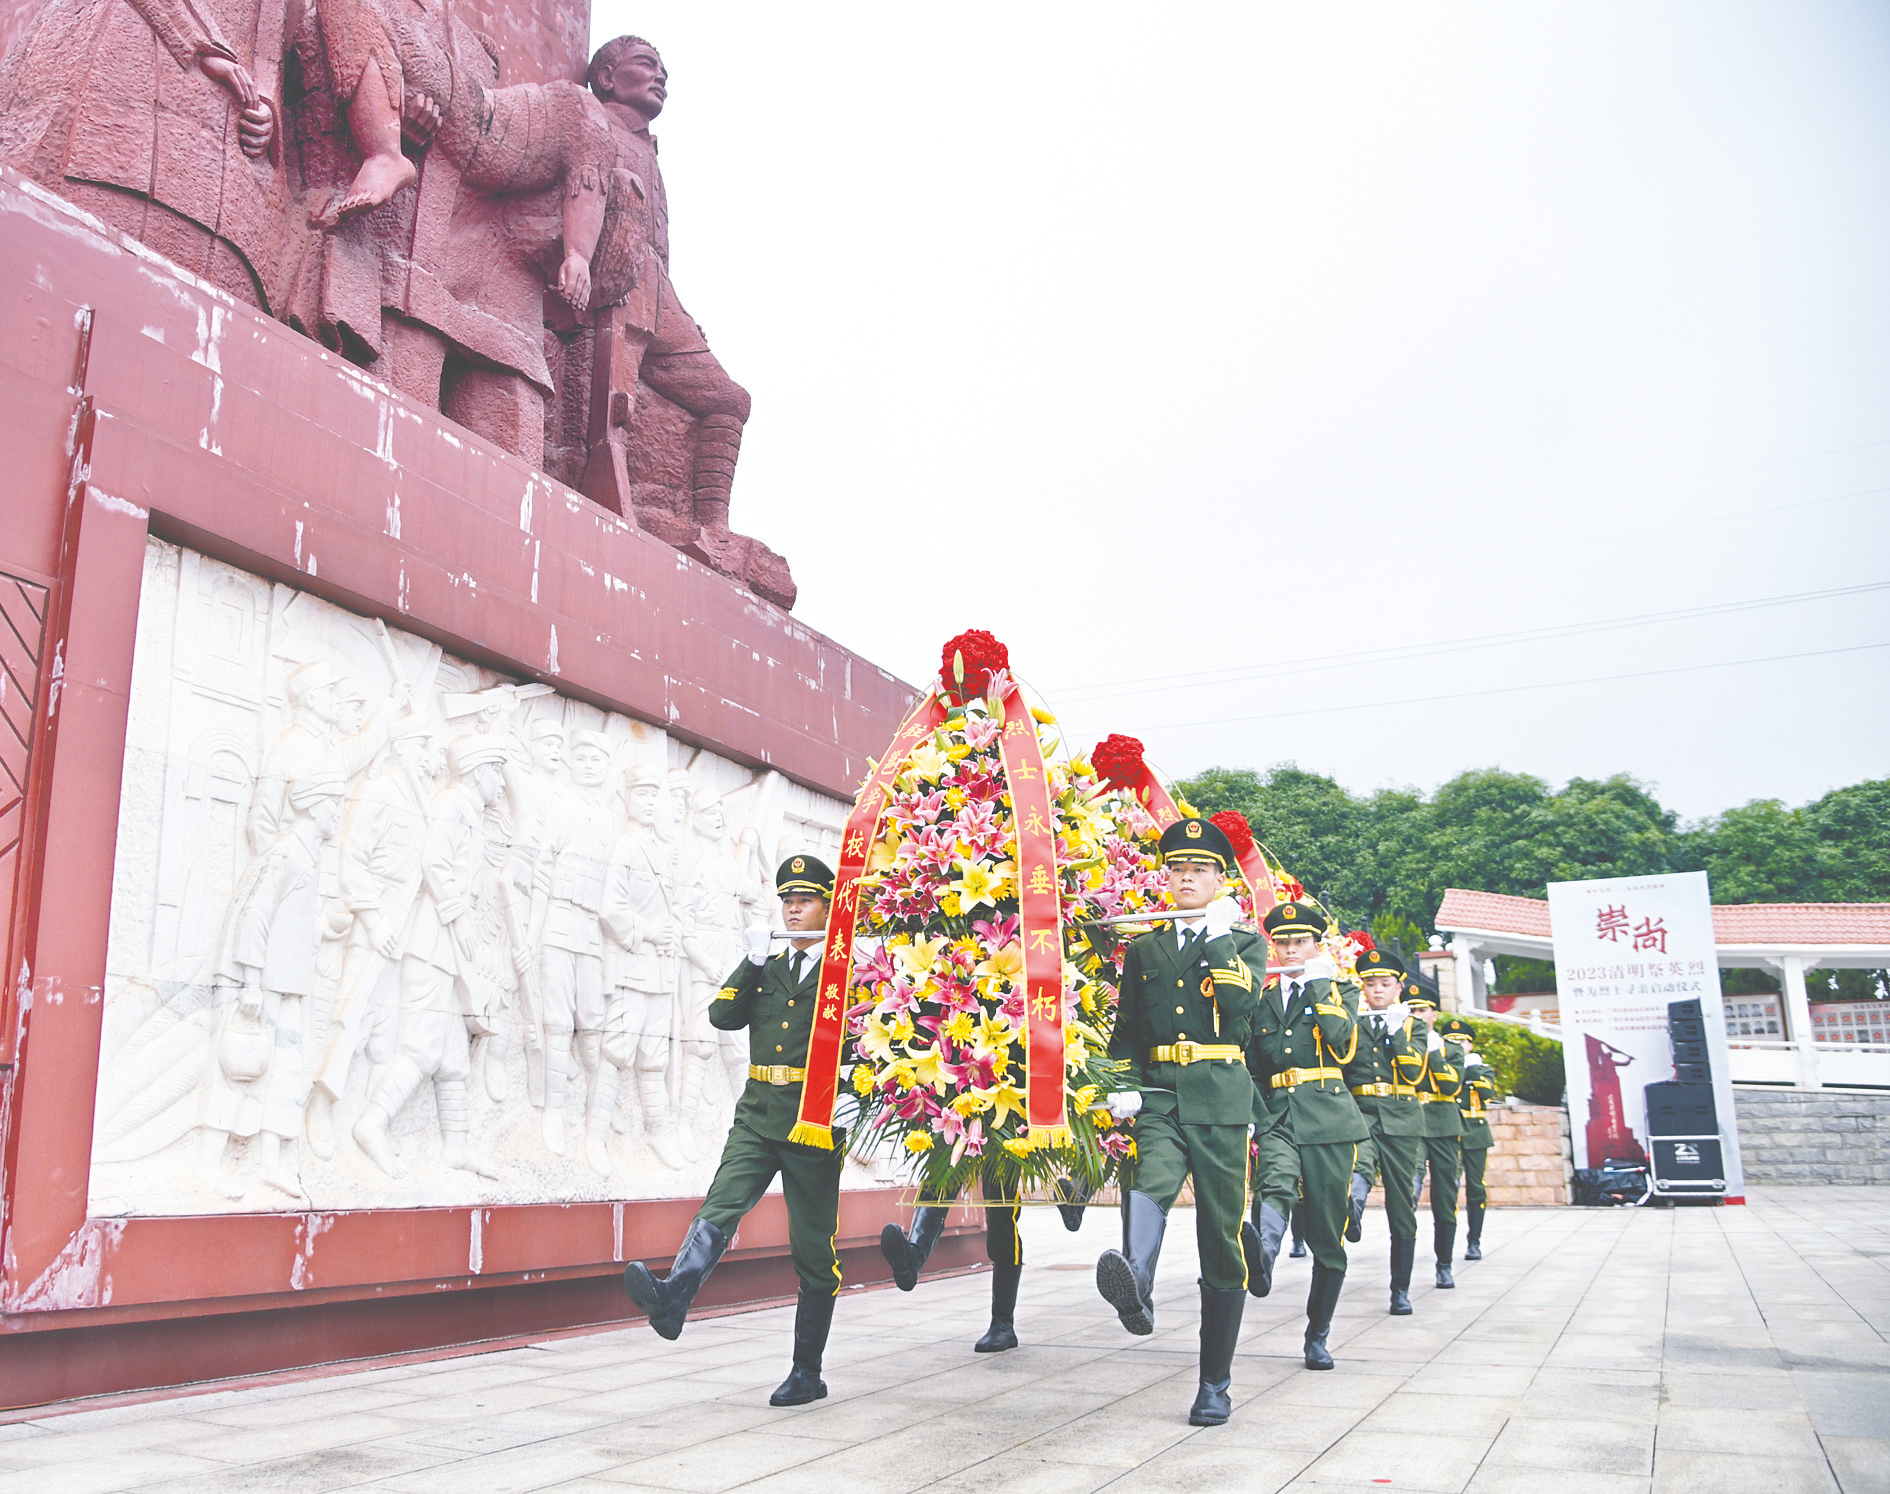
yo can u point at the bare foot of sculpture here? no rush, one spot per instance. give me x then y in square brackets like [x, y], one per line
[379, 178]
[553, 1132]
[210, 1170]
[574, 281]
[370, 1134]
[460, 1153]
[321, 1124]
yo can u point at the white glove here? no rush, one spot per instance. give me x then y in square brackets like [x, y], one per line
[1396, 1015]
[1220, 917]
[1124, 1103]
[757, 937]
[1436, 1044]
[1470, 1057]
[1320, 967]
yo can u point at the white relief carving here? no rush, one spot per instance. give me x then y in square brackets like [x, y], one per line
[371, 901]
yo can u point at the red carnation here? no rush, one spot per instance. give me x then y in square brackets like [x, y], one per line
[1362, 942]
[1118, 761]
[1233, 824]
[982, 656]
[1294, 889]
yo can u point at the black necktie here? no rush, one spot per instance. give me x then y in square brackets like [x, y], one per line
[1293, 995]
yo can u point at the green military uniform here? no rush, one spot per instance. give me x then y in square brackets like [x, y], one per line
[1473, 1102]
[1308, 1126]
[773, 996]
[1383, 1077]
[1443, 1135]
[1184, 1015]
[777, 1007]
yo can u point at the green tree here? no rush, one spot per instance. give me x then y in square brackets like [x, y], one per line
[1853, 826]
[1762, 852]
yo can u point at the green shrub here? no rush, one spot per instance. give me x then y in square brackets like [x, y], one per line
[1527, 1064]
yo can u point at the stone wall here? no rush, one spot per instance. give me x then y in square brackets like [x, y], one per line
[1529, 1165]
[1813, 1136]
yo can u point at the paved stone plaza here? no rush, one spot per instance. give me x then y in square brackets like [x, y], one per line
[1717, 1350]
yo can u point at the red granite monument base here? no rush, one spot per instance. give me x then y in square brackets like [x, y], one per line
[135, 402]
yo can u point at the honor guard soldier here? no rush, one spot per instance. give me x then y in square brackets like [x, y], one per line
[1473, 1103]
[1309, 1127]
[1184, 1015]
[1383, 1077]
[773, 996]
[1443, 1127]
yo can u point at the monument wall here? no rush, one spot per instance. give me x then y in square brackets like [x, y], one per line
[234, 565]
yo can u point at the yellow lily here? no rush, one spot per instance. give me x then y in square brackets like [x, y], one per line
[1004, 1099]
[976, 885]
[927, 1068]
[919, 956]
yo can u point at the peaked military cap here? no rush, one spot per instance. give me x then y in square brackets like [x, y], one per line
[1377, 962]
[1416, 995]
[804, 874]
[1295, 918]
[1453, 1027]
[1196, 839]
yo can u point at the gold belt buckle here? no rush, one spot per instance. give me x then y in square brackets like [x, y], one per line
[778, 1073]
[1185, 1052]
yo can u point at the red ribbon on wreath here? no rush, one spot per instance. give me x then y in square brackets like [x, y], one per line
[813, 1122]
[1040, 923]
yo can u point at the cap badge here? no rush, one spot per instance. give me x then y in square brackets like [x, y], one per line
[1289, 911]
[1194, 829]
[798, 864]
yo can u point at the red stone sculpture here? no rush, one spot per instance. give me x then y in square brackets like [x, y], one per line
[357, 169]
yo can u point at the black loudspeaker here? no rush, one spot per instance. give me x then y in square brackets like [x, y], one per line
[1681, 1110]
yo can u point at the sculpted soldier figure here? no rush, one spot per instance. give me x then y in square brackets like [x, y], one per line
[1383, 1076]
[87, 110]
[259, 1084]
[381, 838]
[647, 335]
[774, 997]
[1185, 1012]
[1308, 1125]
[1443, 1128]
[567, 896]
[313, 741]
[537, 795]
[711, 942]
[639, 916]
[439, 957]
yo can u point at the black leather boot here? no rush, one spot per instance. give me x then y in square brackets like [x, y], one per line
[1002, 1334]
[667, 1301]
[1126, 1277]
[1298, 1251]
[1403, 1256]
[1260, 1238]
[908, 1253]
[813, 1316]
[1072, 1198]
[1355, 1220]
[1220, 1331]
[1473, 1242]
[1321, 1300]
[1446, 1235]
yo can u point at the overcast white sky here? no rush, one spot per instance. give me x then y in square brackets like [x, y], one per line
[1176, 344]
